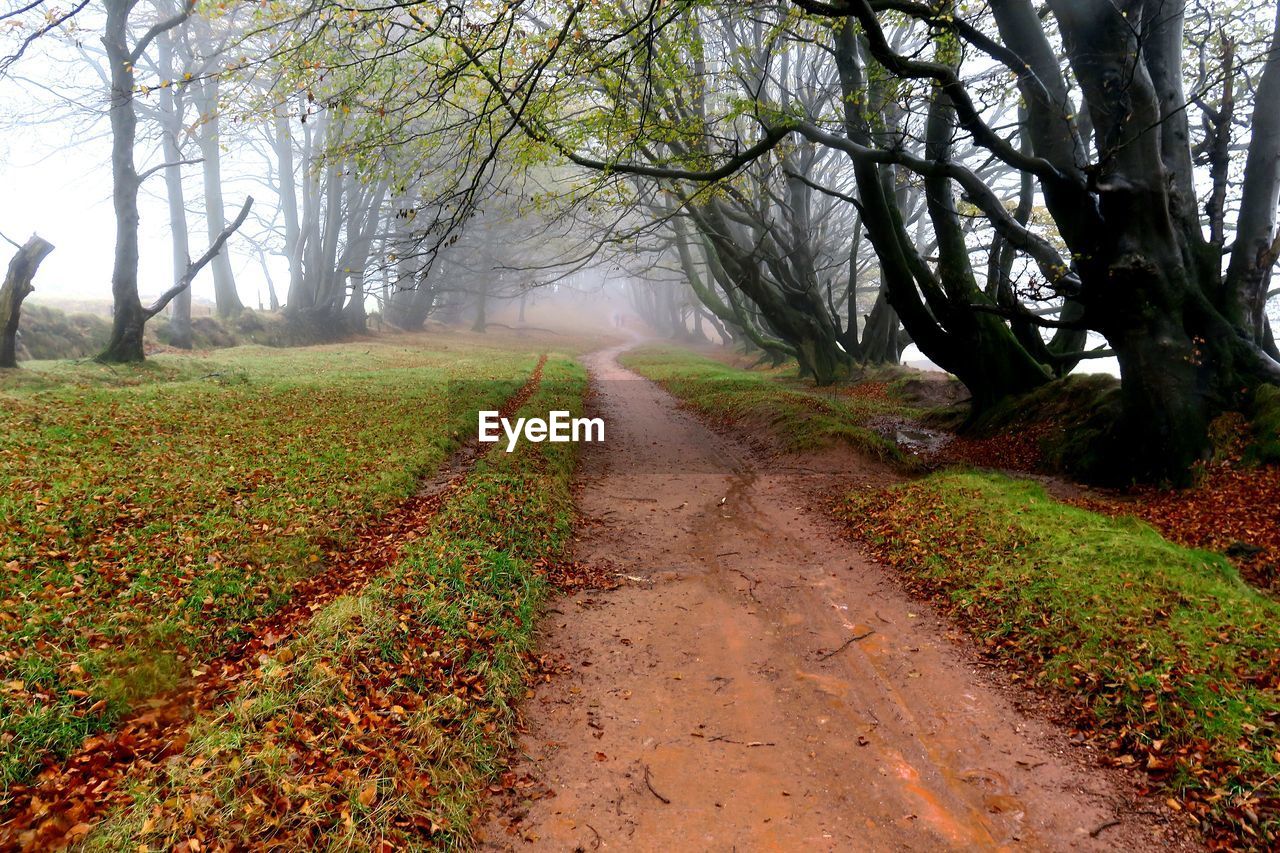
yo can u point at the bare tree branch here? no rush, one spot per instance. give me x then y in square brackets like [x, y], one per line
[140, 46]
[40, 33]
[149, 172]
[194, 268]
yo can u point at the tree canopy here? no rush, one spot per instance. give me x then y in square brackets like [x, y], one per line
[1011, 188]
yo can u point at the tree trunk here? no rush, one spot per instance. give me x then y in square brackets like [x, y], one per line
[273, 301]
[171, 130]
[699, 334]
[1253, 255]
[1184, 354]
[17, 285]
[935, 307]
[354, 315]
[125, 344]
[288, 191]
[797, 316]
[481, 323]
[224, 283]
[880, 334]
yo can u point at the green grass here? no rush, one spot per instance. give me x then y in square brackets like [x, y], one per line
[1162, 647]
[386, 720]
[792, 414]
[148, 513]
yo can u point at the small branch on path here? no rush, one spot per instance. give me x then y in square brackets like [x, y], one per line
[752, 584]
[648, 783]
[726, 739]
[1095, 833]
[846, 644]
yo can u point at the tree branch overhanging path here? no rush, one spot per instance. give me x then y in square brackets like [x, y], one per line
[815, 180]
[1102, 144]
[301, 608]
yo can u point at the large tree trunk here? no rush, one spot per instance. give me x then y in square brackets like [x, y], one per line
[1253, 257]
[935, 308]
[282, 140]
[798, 316]
[1186, 351]
[16, 287]
[171, 129]
[125, 344]
[364, 215]
[880, 335]
[408, 309]
[482, 299]
[224, 283]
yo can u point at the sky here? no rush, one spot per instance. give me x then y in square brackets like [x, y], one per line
[55, 180]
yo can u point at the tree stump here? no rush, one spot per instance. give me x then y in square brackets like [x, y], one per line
[17, 284]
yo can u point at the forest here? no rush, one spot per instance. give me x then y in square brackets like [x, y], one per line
[935, 502]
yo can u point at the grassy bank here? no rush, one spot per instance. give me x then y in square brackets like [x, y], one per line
[1163, 652]
[767, 405]
[148, 513]
[382, 724]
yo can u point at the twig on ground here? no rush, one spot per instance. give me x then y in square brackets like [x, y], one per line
[727, 739]
[846, 644]
[752, 583]
[648, 783]
[1095, 833]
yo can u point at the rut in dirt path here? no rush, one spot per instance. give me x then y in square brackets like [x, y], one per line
[758, 684]
[61, 803]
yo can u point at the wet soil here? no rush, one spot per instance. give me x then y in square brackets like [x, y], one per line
[757, 684]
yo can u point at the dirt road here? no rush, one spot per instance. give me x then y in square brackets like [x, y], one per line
[758, 685]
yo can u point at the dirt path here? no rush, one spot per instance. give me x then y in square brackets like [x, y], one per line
[760, 685]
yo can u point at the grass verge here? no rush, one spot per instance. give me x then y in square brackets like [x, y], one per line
[1164, 654]
[147, 513]
[382, 725]
[795, 417]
